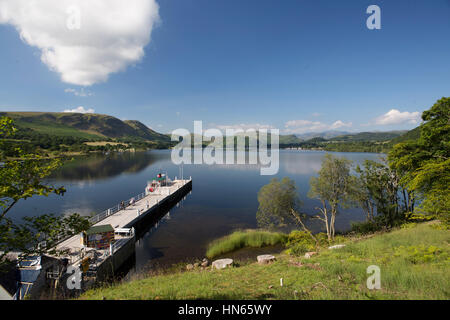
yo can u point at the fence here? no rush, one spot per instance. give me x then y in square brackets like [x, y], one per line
[102, 215]
[79, 255]
[108, 212]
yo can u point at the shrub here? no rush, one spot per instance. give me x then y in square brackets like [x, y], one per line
[300, 242]
[420, 254]
[338, 239]
[299, 249]
[298, 237]
[408, 225]
[418, 217]
[366, 227]
[441, 226]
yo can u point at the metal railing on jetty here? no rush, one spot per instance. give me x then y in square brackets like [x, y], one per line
[121, 206]
[99, 217]
[106, 213]
[78, 256]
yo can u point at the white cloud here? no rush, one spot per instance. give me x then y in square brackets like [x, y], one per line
[303, 126]
[112, 34]
[396, 117]
[79, 93]
[80, 109]
[340, 124]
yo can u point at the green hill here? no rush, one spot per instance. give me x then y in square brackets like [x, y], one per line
[289, 139]
[98, 127]
[413, 134]
[87, 126]
[370, 136]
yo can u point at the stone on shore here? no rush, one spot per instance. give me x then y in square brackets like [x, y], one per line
[222, 263]
[308, 255]
[265, 259]
[189, 267]
[338, 246]
[205, 263]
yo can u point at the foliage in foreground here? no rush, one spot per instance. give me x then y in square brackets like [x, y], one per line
[242, 239]
[20, 180]
[413, 261]
[300, 242]
[424, 164]
[378, 223]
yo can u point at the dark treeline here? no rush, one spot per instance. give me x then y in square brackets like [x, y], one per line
[34, 142]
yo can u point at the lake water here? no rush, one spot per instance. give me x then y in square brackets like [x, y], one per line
[223, 197]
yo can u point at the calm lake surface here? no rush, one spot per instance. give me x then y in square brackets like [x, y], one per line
[223, 197]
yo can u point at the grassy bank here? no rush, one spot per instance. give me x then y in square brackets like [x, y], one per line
[414, 264]
[242, 239]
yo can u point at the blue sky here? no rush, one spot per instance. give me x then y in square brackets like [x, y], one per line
[298, 66]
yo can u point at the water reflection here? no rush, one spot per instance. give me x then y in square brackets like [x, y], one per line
[223, 198]
[96, 167]
[308, 165]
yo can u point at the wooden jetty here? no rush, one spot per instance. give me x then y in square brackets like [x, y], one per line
[97, 264]
[124, 220]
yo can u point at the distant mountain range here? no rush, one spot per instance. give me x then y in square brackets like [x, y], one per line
[99, 126]
[88, 126]
[342, 136]
[324, 134]
[352, 136]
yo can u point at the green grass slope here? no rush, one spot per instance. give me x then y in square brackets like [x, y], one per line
[413, 262]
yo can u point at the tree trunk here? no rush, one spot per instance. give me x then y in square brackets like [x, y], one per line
[300, 221]
[405, 200]
[333, 219]
[325, 214]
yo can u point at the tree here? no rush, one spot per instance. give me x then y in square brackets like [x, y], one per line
[425, 164]
[279, 205]
[376, 188]
[361, 193]
[22, 179]
[276, 200]
[332, 188]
